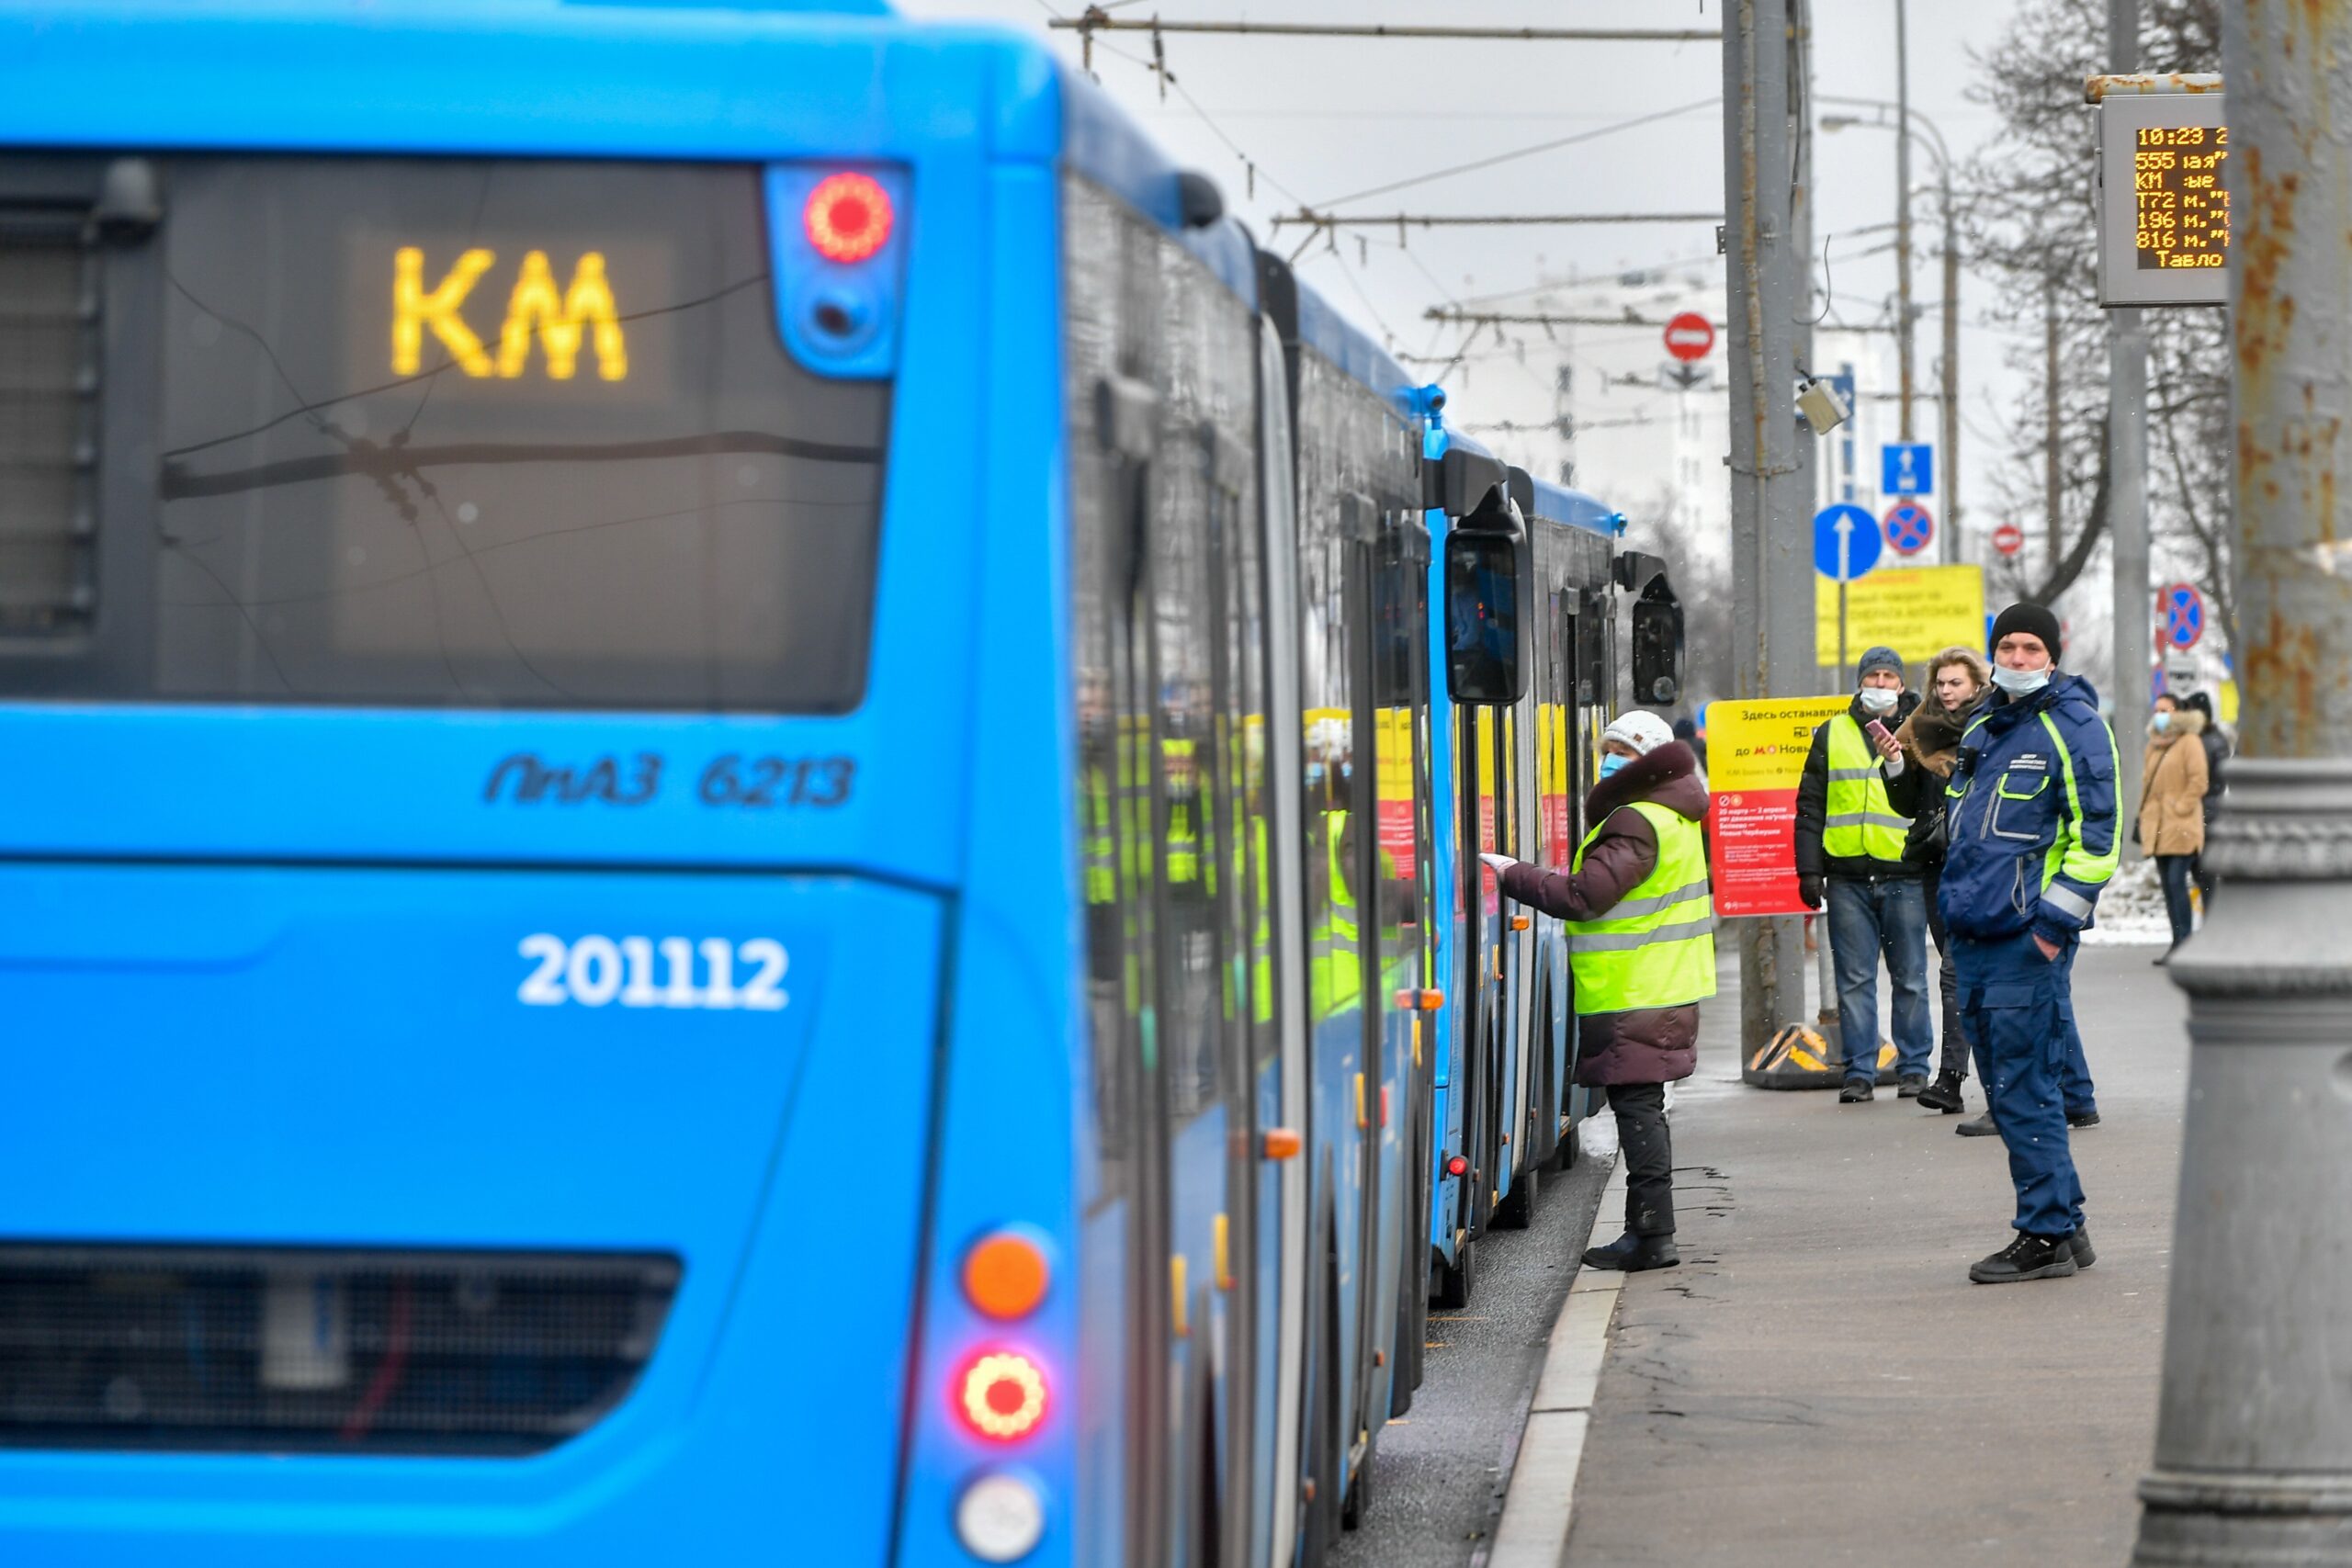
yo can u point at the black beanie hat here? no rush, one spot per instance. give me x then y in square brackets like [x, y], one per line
[2030, 618]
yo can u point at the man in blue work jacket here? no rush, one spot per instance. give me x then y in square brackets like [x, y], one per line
[2031, 817]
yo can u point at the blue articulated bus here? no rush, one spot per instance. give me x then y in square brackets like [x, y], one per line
[1528, 561]
[741, 801]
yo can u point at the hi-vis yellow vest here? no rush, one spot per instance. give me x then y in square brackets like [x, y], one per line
[1656, 948]
[1858, 820]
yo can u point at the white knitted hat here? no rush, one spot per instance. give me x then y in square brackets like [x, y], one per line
[1643, 731]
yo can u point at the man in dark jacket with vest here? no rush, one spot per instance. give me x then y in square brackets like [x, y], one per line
[1850, 842]
[2031, 820]
[1641, 922]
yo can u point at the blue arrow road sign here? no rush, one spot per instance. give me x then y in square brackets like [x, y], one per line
[1845, 535]
[1906, 467]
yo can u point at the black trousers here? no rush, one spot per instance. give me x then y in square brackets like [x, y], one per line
[2174, 871]
[1648, 1149]
[1955, 1039]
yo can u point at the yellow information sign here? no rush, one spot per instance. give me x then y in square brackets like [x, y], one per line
[1918, 611]
[1761, 744]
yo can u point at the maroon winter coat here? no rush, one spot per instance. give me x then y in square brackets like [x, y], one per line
[1647, 1044]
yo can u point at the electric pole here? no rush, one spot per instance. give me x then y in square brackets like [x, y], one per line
[2127, 503]
[2254, 1429]
[2053, 491]
[1903, 204]
[1948, 458]
[1772, 485]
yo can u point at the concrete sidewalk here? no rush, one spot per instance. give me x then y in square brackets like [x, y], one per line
[1820, 1382]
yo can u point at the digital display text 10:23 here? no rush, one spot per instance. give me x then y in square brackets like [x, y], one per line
[2183, 210]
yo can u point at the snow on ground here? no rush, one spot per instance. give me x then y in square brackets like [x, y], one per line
[2131, 910]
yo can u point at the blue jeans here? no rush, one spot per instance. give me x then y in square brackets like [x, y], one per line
[1869, 916]
[2019, 1011]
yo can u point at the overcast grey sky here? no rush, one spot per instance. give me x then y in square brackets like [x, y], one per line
[1325, 118]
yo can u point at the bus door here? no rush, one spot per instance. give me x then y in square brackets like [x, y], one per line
[1356, 860]
[1593, 682]
[1404, 990]
[1486, 568]
[1138, 813]
[1234, 868]
[1557, 742]
[1285, 1090]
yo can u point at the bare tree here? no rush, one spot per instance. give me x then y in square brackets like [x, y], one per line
[2029, 211]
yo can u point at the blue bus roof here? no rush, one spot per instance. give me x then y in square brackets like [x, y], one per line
[1340, 341]
[572, 78]
[1575, 509]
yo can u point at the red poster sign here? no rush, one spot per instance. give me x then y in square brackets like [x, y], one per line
[1756, 754]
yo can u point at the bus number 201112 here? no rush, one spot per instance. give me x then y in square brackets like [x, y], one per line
[654, 972]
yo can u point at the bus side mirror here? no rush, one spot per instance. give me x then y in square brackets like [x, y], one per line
[1658, 652]
[1483, 662]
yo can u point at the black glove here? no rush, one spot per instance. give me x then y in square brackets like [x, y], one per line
[1809, 891]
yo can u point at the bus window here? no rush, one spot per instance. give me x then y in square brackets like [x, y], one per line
[489, 432]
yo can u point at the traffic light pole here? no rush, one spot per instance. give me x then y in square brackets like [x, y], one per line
[1771, 465]
[2254, 1435]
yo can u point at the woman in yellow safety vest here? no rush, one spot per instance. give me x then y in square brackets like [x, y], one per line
[1641, 925]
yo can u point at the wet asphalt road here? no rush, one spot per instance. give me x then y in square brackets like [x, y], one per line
[1439, 1479]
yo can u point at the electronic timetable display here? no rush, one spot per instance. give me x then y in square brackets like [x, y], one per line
[2163, 199]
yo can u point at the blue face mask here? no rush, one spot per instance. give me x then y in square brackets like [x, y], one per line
[2161, 722]
[1611, 762]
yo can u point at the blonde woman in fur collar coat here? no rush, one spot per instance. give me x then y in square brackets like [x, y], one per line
[2171, 826]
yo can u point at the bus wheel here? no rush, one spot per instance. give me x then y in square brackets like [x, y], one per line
[1449, 1282]
[1359, 1494]
[1518, 1208]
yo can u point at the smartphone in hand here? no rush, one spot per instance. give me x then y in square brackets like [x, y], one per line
[1877, 732]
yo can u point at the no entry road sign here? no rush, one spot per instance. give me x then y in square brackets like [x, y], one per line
[1690, 335]
[2008, 538]
[2183, 609]
[1909, 528]
[1846, 542]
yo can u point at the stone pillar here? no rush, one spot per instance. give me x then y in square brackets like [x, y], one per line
[2254, 1441]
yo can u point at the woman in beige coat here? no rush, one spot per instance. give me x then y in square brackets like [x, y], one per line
[2172, 805]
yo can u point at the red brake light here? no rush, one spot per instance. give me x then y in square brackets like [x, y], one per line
[848, 217]
[1003, 1395]
[1456, 1165]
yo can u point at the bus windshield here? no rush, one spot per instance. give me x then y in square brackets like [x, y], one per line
[487, 433]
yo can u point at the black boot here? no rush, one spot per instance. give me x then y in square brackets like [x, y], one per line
[2079, 1119]
[2079, 1244]
[1978, 1127]
[1911, 1086]
[1944, 1094]
[2028, 1258]
[1632, 1254]
[1856, 1091]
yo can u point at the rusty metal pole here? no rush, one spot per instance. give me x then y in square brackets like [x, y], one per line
[1771, 463]
[2254, 1434]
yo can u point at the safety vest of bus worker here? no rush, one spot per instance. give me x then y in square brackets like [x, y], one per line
[1335, 960]
[1656, 947]
[1857, 820]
